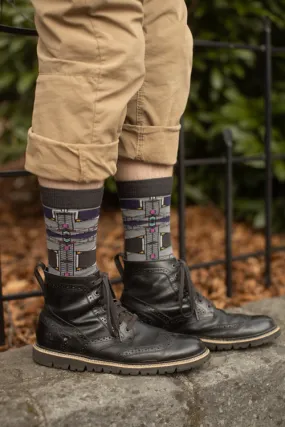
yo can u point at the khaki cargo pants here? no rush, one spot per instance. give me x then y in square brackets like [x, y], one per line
[114, 79]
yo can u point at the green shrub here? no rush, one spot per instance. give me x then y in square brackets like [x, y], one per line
[17, 81]
[227, 92]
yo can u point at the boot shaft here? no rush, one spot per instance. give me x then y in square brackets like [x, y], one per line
[154, 279]
[152, 284]
[73, 310]
[71, 298]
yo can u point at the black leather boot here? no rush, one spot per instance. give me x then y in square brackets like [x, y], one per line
[83, 327]
[161, 293]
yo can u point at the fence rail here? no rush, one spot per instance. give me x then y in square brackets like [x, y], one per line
[228, 160]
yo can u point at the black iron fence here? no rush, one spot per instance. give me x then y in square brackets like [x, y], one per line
[227, 160]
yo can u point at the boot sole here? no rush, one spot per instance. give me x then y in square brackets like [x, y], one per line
[72, 362]
[235, 344]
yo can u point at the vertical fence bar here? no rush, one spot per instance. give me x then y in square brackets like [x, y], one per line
[2, 327]
[267, 150]
[229, 210]
[181, 192]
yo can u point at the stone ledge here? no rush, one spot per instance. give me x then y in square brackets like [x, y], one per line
[237, 389]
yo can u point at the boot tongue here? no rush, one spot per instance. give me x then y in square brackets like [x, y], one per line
[201, 299]
[115, 312]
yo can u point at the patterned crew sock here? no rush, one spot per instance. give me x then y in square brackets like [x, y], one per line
[145, 206]
[71, 218]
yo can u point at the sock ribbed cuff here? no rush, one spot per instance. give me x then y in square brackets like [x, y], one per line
[145, 188]
[71, 199]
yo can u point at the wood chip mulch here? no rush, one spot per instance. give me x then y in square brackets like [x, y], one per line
[22, 244]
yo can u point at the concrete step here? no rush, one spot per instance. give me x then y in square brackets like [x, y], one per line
[237, 389]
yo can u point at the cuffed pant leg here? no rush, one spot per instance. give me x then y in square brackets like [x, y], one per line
[151, 129]
[91, 63]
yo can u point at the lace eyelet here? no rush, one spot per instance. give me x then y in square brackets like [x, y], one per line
[173, 265]
[127, 330]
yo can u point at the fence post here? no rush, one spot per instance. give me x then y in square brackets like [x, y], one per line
[181, 192]
[2, 328]
[267, 150]
[228, 139]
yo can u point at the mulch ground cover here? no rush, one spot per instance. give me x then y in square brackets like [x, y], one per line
[22, 244]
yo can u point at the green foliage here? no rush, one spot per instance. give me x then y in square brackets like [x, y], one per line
[18, 74]
[227, 92]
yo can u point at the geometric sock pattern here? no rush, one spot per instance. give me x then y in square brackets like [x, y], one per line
[71, 238]
[147, 227]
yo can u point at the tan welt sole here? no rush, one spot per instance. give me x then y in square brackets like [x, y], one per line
[80, 363]
[228, 344]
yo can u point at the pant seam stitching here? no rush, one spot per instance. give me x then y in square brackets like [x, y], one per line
[99, 79]
[140, 140]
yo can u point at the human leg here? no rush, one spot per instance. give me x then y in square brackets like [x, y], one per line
[158, 289]
[91, 58]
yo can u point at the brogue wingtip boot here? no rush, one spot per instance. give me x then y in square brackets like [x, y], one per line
[82, 327]
[161, 293]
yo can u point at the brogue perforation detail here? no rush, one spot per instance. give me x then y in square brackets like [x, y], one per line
[103, 339]
[143, 350]
[68, 287]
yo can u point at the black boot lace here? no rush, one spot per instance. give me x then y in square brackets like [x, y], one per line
[186, 289]
[116, 314]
